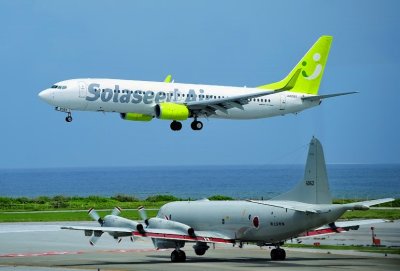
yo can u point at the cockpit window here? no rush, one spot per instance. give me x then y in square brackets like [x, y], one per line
[58, 87]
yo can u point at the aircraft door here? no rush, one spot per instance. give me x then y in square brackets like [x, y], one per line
[283, 102]
[82, 89]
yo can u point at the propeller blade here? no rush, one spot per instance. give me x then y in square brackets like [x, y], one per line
[95, 216]
[116, 211]
[143, 215]
[95, 237]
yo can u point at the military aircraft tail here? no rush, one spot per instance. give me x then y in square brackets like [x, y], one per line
[314, 188]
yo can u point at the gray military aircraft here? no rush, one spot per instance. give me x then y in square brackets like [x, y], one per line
[305, 210]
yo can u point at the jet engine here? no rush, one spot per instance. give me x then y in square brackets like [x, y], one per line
[136, 117]
[171, 111]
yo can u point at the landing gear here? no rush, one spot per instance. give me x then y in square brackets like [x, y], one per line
[176, 125]
[278, 254]
[178, 256]
[200, 248]
[69, 117]
[196, 125]
[200, 252]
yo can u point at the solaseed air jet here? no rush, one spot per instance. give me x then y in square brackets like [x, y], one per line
[306, 210]
[168, 100]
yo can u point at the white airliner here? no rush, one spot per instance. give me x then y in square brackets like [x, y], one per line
[306, 210]
[144, 100]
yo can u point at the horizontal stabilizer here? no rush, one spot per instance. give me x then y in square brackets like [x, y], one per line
[320, 97]
[291, 205]
[364, 205]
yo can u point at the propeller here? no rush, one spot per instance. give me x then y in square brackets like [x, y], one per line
[95, 237]
[116, 211]
[96, 217]
[143, 215]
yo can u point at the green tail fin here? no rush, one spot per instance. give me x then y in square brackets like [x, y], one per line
[312, 67]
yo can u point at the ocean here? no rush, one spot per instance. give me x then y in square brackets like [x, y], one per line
[196, 182]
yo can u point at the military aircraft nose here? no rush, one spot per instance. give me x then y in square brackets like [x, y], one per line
[46, 95]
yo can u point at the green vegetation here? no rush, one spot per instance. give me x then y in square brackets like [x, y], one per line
[388, 250]
[63, 208]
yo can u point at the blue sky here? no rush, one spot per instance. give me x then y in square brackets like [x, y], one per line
[212, 42]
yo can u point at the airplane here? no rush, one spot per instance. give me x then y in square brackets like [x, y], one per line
[306, 210]
[168, 100]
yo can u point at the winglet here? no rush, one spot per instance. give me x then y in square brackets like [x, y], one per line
[168, 79]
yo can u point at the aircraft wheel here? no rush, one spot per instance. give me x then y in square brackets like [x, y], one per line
[178, 256]
[182, 256]
[200, 252]
[278, 254]
[282, 254]
[274, 254]
[174, 256]
[68, 119]
[196, 125]
[176, 125]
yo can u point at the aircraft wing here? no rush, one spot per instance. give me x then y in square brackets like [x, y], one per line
[320, 97]
[208, 107]
[340, 226]
[172, 234]
[102, 229]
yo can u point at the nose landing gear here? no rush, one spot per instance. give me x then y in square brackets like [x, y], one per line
[68, 118]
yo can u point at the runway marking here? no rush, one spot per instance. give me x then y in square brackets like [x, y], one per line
[57, 253]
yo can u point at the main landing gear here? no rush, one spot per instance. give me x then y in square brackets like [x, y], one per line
[278, 254]
[178, 256]
[195, 125]
[176, 125]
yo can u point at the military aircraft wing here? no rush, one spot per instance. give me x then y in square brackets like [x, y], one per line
[208, 107]
[198, 236]
[102, 229]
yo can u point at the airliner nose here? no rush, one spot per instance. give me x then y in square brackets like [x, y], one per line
[46, 95]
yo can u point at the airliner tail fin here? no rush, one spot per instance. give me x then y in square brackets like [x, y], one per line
[312, 67]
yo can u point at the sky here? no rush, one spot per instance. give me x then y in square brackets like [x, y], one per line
[237, 43]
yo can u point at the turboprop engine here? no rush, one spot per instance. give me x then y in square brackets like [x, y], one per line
[171, 111]
[112, 220]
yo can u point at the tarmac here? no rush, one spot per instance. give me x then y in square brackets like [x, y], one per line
[43, 246]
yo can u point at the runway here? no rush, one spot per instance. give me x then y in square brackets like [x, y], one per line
[43, 246]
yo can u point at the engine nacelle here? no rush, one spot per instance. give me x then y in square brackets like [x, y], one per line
[164, 244]
[171, 111]
[161, 223]
[136, 117]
